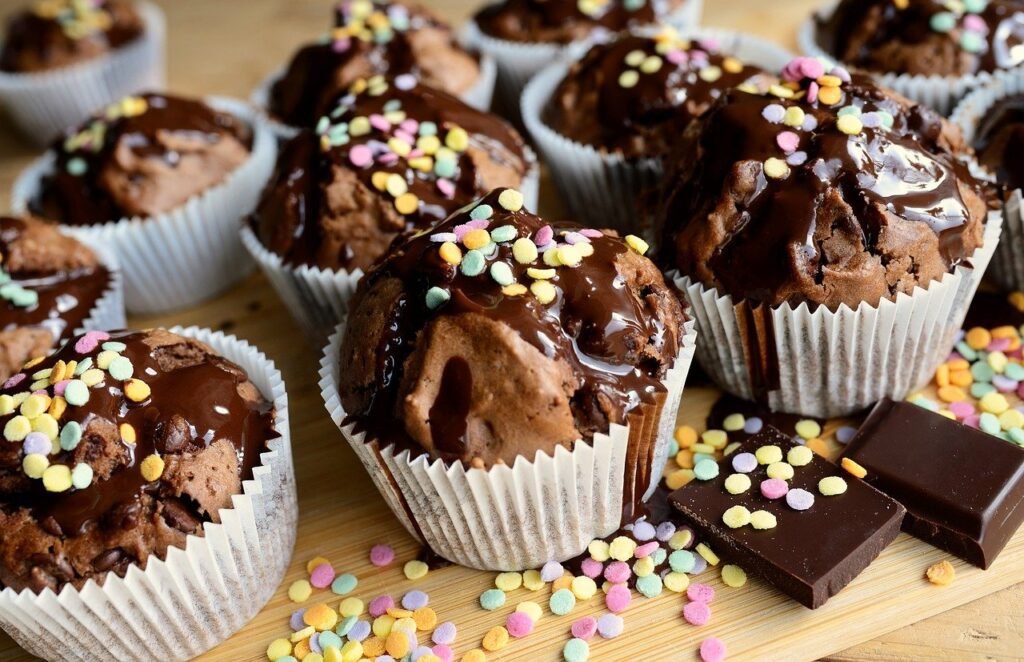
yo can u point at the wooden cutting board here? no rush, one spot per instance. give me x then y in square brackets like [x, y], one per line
[226, 47]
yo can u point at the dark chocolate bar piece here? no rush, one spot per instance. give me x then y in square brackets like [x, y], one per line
[963, 488]
[811, 554]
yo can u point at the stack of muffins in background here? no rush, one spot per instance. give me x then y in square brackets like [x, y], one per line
[812, 229]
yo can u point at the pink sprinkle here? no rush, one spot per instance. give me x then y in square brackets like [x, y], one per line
[446, 187]
[618, 598]
[591, 568]
[58, 388]
[677, 57]
[697, 613]
[382, 555]
[1016, 354]
[360, 156]
[975, 23]
[710, 44]
[410, 126]
[773, 488]
[380, 605]
[478, 224]
[812, 92]
[544, 236]
[415, 154]
[519, 624]
[812, 68]
[14, 380]
[585, 628]
[378, 122]
[962, 409]
[90, 341]
[712, 649]
[645, 550]
[388, 158]
[617, 572]
[444, 652]
[974, 420]
[405, 137]
[788, 141]
[998, 345]
[341, 45]
[700, 593]
[591, 233]
[322, 575]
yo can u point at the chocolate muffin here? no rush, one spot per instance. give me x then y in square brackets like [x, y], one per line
[999, 140]
[826, 190]
[496, 335]
[142, 156]
[371, 37]
[391, 156]
[637, 94]
[925, 37]
[118, 447]
[565, 21]
[58, 33]
[50, 286]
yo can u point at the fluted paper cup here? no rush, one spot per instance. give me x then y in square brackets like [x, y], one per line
[939, 92]
[826, 363]
[44, 104]
[182, 257]
[187, 603]
[317, 298]
[108, 311]
[516, 517]
[478, 96]
[610, 185]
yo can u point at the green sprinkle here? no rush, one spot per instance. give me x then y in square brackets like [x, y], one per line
[849, 110]
[504, 233]
[81, 476]
[649, 586]
[437, 297]
[77, 167]
[121, 368]
[346, 626]
[980, 389]
[1014, 371]
[659, 555]
[114, 346]
[925, 403]
[489, 250]
[83, 365]
[76, 393]
[965, 350]
[682, 560]
[428, 129]
[70, 435]
[23, 298]
[1016, 436]
[482, 213]
[323, 124]
[473, 263]
[576, 650]
[982, 372]
[445, 167]
[972, 42]
[989, 423]
[562, 602]
[492, 599]
[943, 21]
[502, 273]
[705, 469]
[344, 584]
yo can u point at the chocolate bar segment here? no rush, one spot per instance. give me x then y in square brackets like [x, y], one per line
[811, 554]
[963, 488]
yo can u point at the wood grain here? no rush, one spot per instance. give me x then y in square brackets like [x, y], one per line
[226, 48]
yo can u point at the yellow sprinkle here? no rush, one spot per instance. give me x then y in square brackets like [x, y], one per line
[531, 609]
[428, 144]
[34, 465]
[799, 456]
[105, 358]
[46, 424]
[351, 607]
[677, 582]
[569, 256]
[716, 439]
[532, 580]
[794, 117]
[57, 406]
[629, 78]
[415, 570]
[584, 588]
[850, 125]
[57, 478]
[278, 648]
[732, 65]
[710, 73]
[733, 576]
[514, 290]
[993, 403]
[524, 250]
[510, 199]
[942, 573]
[541, 274]
[450, 253]
[651, 64]
[679, 478]
[496, 638]
[379, 180]
[585, 249]
[737, 483]
[475, 655]
[637, 244]
[300, 591]
[643, 567]
[34, 405]
[762, 519]
[17, 428]
[458, 140]
[396, 185]
[128, 434]
[92, 377]
[352, 651]
[736, 517]
[831, 486]
[152, 468]
[768, 454]
[734, 422]
[508, 581]
[808, 428]
[407, 203]
[780, 92]
[399, 147]
[708, 555]
[599, 550]
[622, 548]
[828, 80]
[776, 168]
[780, 470]
[1011, 418]
[136, 390]
[685, 436]
[680, 539]
[476, 238]
[6, 405]
[853, 468]
[34, 362]
[383, 624]
[550, 258]
[331, 654]
[544, 291]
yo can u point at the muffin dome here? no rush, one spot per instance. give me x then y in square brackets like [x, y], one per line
[50, 284]
[58, 33]
[926, 37]
[370, 38]
[142, 156]
[636, 94]
[496, 334]
[116, 448]
[391, 156]
[564, 21]
[825, 190]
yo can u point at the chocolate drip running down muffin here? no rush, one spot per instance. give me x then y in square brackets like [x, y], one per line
[391, 157]
[58, 33]
[116, 448]
[49, 284]
[142, 156]
[926, 37]
[637, 94]
[496, 335]
[387, 38]
[826, 190]
[999, 141]
[565, 21]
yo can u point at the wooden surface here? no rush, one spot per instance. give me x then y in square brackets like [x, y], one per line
[225, 47]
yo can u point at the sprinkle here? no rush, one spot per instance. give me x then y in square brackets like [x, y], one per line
[495, 639]
[415, 569]
[736, 517]
[776, 168]
[576, 650]
[762, 520]
[942, 573]
[551, 571]
[706, 469]
[768, 454]
[524, 251]
[774, 488]
[278, 649]
[794, 117]
[492, 599]
[831, 486]
[617, 600]
[134, 389]
[320, 617]
[629, 78]
[518, 624]
[300, 591]
[583, 587]
[322, 575]
[637, 244]
[508, 581]
[17, 428]
[544, 291]
[774, 113]
[57, 478]
[733, 576]
[444, 633]
[780, 470]
[351, 607]
[380, 605]
[76, 393]
[70, 435]
[609, 626]
[712, 649]
[531, 609]
[799, 499]
[473, 262]
[511, 200]
[406, 204]
[584, 628]
[475, 655]
[682, 561]
[617, 572]
[808, 428]
[35, 465]
[81, 476]
[514, 290]
[562, 602]
[128, 434]
[344, 584]
[650, 586]
[152, 468]
[697, 613]
[435, 298]
[799, 456]
[943, 22]
[853, 468]
[850, 125]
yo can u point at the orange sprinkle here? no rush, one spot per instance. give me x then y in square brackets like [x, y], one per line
[301, 649]
[685, 459]
[853, 468]
[565, 581]
[978, 338]
[819, 447]
[425, 617]
[961, 378]
[942, 375]
[398, 612]
[476, 238]
[830, 95]
[951, 394]
[372, 646]
[942, 573]
[829, 81]
[686, 436]
[496, 638]
[958, 364]
[397, 644]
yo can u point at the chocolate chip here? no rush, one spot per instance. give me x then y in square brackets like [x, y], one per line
[107, 559]
[178, 515]
[51, 526]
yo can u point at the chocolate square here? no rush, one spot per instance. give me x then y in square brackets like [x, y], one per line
[963, 488]
[811, 554]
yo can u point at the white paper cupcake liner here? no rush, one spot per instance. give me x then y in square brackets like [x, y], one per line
[939, 92]
[518, 517]
[1007, 268]
[609, 186]
[44, 104]
[479, 96]
[181, 606]
[108, 311]
[836, 363]
[318, 298]
[185, 256]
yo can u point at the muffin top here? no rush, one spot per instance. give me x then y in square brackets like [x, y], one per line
[391, 156]
[57, 33]
[926, 37]
[371, 37]
[636, 94]
[496, 334]
[564, 21]
[142, 156]
[826, 190]
[999, 141]
[117, 447]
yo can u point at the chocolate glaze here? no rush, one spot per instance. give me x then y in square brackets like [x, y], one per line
[963, 488]
[205, 395]
[288, 218]
[729, 404]
[83, 200]
[999, 141]
[562, 21]
[1003, 19]
[66, 298]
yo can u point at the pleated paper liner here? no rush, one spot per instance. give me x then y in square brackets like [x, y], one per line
[939, 92]
[520, 516]
[185, 256]
[609, 187]
[479, 96]
[44, 104]
[826, 363]
[1007, 268]
[108, 311]
[181, 606]
[318, 298]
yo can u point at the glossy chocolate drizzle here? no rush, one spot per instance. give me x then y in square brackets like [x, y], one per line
[205, 395]
[1000, 141]
[522, 20]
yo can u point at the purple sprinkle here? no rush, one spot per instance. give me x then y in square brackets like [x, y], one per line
[774, 113]
[544, 236]
[841, 73]
[384, 658]
[15, 380]
[1004, 384]
[844, 435]
[551, 571]
[753, 425]
[644, 531]
[609, 626]
[797, 158]
[405, 82]
[700, 564]
[341, 45]
[314, 643]
[444, 633]
[390, 158]
[359, 631]
[442, 237]
[37, 443]
[871, 120]
[415, 599]
[744, 462]
[799, 499]
[420, 651]
[380, 605]
[296, 621]
[665, 531]
[576, 238]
